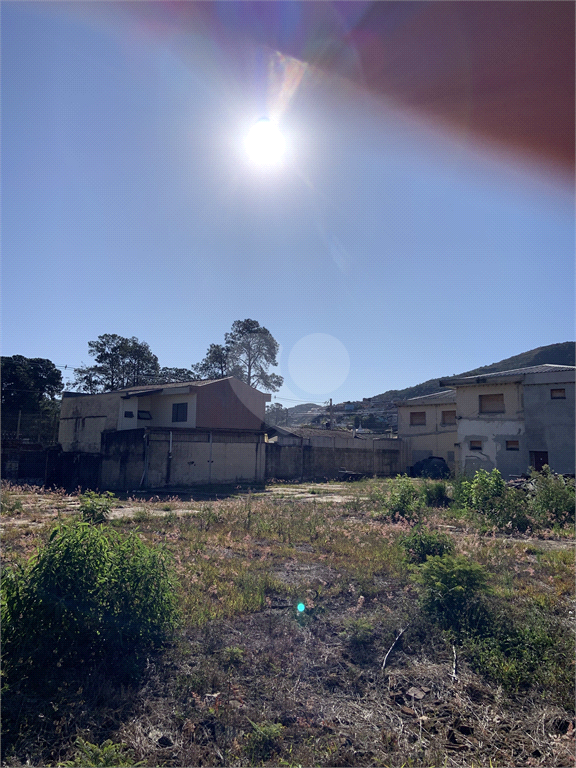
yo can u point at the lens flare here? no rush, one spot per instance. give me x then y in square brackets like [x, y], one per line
[265, 144]
[301, 607]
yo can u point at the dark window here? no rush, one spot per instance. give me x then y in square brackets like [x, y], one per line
[512, 445]
[491, 403]
[417, 418]
[180, 412]
[146, 415]
[128, 414]
[558, 394]
[475, 445]
[448, 417]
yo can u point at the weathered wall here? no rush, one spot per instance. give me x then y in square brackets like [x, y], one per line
[194, 458]
[84, 417]
[230, 404]
[419, 441]
[550, 422]
[306, 462]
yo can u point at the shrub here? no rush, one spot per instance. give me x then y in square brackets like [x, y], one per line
[263, 740]
[435, 494]
[360, 632]
[451, 587]
[108, 755]
[485, 489]
[96, 507]
[422, 543]
[10, 504]
[553, 500]
[90, 594]
[404, 499]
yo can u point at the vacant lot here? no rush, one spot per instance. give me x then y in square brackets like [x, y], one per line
[314, 630]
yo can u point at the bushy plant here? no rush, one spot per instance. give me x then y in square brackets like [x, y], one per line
[404, 499]
[553, 500]
[486, 487]
[89, 594]
[360, 632]
[451, 586]
[263, 740]
[107, 755]
[422, 543]
[435, 494]
[96, 507]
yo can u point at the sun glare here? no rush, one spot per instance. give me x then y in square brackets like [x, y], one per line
[264, 143]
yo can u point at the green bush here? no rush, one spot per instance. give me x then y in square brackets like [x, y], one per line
[451, 586]
[96, 507]
[485, 489]
[422, 543]
[263, 740]
[435, 494]
[108, 755]
[404, 499]
[90, 594]
[553, 500]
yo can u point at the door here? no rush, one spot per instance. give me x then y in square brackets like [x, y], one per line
[538, 459]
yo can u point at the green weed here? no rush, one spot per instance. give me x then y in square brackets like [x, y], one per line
[96, 507]
[107, 755]
[422, 543]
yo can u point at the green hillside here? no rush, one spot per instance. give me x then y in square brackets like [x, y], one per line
[555, 354]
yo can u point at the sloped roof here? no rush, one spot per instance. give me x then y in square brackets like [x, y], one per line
[308, 432]
[436, 398]
[481, 378]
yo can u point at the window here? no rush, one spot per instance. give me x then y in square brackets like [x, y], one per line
[180, 412]
[491, 403]
[146, 415]
[128, 414]
[512, 445]
[417, 418]
[448, 417]
[475, 445]
[558, 394]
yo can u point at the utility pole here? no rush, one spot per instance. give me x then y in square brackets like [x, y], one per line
[331, 414]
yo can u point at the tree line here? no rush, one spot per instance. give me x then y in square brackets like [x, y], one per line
[32, 385]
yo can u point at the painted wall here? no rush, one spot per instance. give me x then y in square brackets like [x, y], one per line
[144, 456]
[83, 419]
[550, 422]
[307, 462]
[431, 439]
[160, 407]
[230, 404]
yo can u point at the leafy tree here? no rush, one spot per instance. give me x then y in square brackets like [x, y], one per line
[251, 351]
[119, 362]
[248, 353]
[216, 364]
[173, 375]
[276, 414]
[29, 384]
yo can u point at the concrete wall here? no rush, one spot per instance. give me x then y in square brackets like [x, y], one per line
[492, 429]
[431, 439]
[550, 422]
[306, 462]
[230, 404]
[160, 407]
[139, 458]
[83, 418]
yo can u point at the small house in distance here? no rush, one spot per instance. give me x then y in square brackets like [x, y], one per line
[168, 435]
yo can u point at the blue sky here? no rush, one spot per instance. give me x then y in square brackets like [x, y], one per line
[384, 251]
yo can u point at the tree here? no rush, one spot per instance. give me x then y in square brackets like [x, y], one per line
[215, 365]
[120, 363]
[248, 352]
[173, 375]
[276, 415]
[29, 384]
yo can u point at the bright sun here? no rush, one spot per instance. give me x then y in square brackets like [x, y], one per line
[264, 143]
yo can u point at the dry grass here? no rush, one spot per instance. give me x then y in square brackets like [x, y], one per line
[250, 680]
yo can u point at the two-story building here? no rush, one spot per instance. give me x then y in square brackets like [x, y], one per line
[169, 435]
[427, 427]
[516, 419]
[510, 421]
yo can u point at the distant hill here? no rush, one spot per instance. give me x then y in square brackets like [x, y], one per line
[553, 354]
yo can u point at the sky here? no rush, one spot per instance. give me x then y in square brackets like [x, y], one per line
[381, 251]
